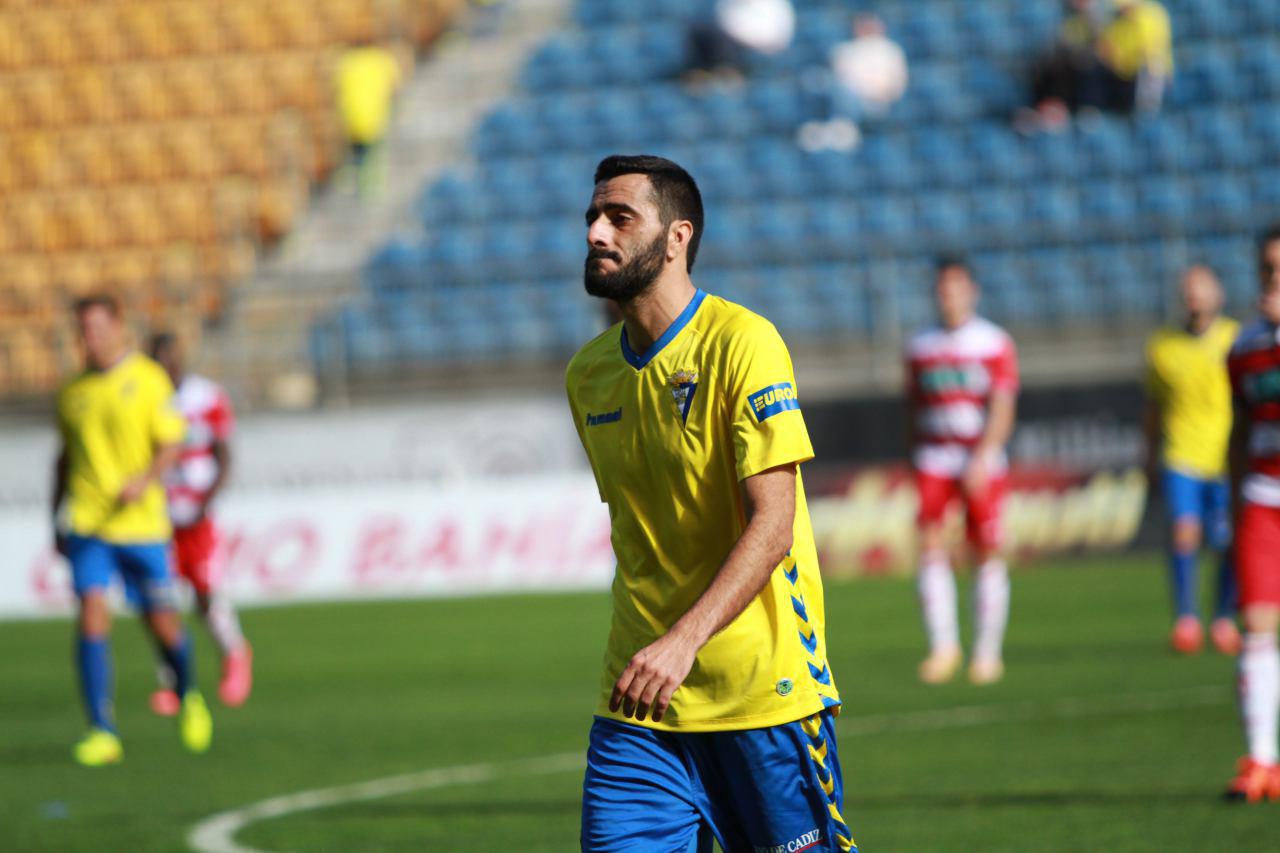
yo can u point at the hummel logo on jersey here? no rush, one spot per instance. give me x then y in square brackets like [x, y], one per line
[683, 385]
[768, 402]
[606, 418]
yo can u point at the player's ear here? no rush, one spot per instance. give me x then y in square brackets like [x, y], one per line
[678, 236]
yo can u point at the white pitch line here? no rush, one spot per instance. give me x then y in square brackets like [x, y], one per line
[216, 834]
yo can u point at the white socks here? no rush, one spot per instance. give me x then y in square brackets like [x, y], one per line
[1259, 686]
[936, 585]
[223, 624]
[990, 609]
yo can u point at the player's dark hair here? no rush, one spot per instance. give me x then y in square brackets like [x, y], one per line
[1269, 236]
[105, 301]
[161, 341]
[942, 263]
[674, 191]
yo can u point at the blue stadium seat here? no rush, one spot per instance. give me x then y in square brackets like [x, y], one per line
[831, 243]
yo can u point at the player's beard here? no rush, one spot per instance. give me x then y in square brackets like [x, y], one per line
[630, 279]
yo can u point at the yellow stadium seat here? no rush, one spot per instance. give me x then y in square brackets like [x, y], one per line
[248, 26]
[51, 36]
[196, 28]
[15, 48]
[137, 217]
[88, 222]
[38, 162]
[298, 24]
[10, 177]
[144, 30]
[45, 104]
[241, 80]
[193, 88]
[92, 154]
[77, 273]
[100, 31]
[142, 159]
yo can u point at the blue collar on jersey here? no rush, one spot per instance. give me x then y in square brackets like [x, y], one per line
[639, 361]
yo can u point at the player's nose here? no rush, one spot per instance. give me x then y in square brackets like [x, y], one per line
[598, 233]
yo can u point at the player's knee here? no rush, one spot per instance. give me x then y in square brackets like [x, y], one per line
[165, 625]
[1261, 618]
[1187, 536]
[95, 615]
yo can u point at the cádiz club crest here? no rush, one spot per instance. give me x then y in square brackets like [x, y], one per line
[683, 384]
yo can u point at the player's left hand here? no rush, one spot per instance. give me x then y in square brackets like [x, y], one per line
[652, 675]
[975, 476]
[133, 490]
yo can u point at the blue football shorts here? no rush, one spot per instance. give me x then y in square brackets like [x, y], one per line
[1206, 500]
[772, 789]
[142, 567]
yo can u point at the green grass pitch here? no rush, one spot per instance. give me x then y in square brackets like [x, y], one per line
[1098, 739]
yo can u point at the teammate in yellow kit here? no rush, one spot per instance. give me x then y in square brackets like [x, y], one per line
[1188, 424]
[120, 432]
[716, 704]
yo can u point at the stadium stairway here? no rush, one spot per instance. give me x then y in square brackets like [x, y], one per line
[261, 348]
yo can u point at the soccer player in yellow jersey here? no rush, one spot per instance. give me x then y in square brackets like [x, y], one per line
[715, 717]
[1188, 424]
[120, 432]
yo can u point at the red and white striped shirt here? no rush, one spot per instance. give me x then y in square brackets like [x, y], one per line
[1254, 367]
[209, 417]
[951, 375]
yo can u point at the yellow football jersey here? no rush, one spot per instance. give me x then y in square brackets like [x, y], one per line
[111, 422]
[1187, 377]
[670, 435]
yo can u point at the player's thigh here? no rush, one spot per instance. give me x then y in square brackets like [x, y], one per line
[93, 563]
[936, 496]
[147, 575]
[984, 515]
[1215, 499]
[1258, 555]
[778, 788]
[197, 555]
[638, 794]
[1182, 496]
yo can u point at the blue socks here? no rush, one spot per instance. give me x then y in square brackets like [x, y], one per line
[93, 660]
[1182, 576]
[178, 659]
[1227, 592]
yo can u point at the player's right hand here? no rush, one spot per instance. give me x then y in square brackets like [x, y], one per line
[133, 490]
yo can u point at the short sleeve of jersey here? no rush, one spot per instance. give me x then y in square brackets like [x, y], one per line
[167, 423]
[222, 418]
[1155, 384]
[768, 428]
[1004, 367]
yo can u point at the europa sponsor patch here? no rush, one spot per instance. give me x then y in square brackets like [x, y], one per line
[768, 402]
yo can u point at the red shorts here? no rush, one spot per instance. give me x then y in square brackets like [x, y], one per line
[1258, 554]
[197, 552]
[983, 514]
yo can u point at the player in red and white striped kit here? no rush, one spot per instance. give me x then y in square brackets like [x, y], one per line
[192, 485]
[962, 377]
[1254, 367]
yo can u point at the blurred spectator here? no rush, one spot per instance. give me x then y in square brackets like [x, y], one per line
[1062, 76]
[869, 70]
[721, 48]
[367, 78]
[1137, 57]
[868, 75]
